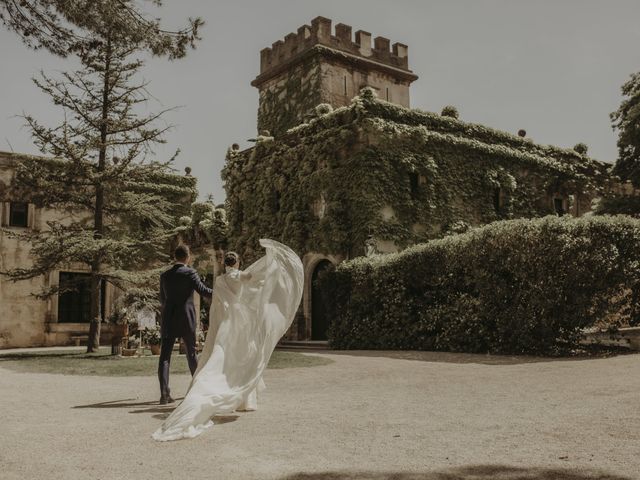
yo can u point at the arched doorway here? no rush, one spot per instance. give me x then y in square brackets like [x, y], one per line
[319, 318]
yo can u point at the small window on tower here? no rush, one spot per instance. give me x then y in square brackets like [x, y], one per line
[345, 85]
[387, 94]
[18, 214]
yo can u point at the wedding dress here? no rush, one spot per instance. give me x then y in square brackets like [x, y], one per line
[250, 311]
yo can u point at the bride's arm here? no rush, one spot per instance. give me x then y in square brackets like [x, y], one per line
[250, 280]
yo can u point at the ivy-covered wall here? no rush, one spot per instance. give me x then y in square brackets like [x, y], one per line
[399, 175]
[285, 99]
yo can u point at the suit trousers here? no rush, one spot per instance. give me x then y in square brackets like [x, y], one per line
[165, 359]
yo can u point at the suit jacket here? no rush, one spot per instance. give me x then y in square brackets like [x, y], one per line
[176, 296]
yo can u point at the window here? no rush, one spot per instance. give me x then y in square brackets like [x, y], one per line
[558, 205]
[497, 199]
[387, 94]
[74, 303]
[414, 182]
[18, 214]
[345, 85]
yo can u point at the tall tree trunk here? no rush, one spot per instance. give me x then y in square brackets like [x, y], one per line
[98, 221]
[96, 313]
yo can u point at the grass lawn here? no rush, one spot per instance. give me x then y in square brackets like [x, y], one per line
[102, 363]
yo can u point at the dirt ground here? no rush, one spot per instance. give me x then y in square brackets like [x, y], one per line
[369, 415]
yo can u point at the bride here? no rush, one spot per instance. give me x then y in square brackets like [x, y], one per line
[250, 311]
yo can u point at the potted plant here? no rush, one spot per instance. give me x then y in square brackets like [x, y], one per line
[202, 336]
[133, 343]
[153, 339]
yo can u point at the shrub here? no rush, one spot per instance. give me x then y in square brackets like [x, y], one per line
[517, 286]
[323, 109]
[450, 111]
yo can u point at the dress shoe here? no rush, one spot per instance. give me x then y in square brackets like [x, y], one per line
[165, 400]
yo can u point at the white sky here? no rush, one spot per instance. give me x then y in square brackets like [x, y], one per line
[552, 67]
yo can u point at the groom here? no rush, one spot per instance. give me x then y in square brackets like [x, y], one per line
[178, 315]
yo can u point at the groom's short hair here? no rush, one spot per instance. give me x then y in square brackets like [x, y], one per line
[181, 253]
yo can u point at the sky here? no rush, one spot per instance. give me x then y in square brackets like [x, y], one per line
[551, 67]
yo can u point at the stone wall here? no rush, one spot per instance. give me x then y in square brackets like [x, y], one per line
[285, 100]
[342, 82]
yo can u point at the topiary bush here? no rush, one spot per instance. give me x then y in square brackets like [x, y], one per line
[450, 111]
[512, 287]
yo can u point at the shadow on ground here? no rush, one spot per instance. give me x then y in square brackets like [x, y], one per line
[472, 472]
[128, 403]
[484, 359]
[64, 354]
[161, 411]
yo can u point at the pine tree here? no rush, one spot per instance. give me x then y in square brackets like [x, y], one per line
[627, 121]
[122, 205]
[59, 25]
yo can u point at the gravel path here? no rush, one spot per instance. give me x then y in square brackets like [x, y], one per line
[369, 415]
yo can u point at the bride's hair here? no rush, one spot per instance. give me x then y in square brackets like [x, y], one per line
[230, 259]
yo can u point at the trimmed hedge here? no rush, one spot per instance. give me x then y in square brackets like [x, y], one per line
[518, 286]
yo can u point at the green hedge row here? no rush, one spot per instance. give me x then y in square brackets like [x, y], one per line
[518, 286]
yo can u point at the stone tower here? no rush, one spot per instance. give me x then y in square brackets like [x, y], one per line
[313, 66]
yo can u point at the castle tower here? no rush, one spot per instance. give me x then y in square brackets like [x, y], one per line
[313, 66]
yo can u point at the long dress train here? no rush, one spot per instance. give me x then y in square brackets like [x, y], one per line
[248, 317]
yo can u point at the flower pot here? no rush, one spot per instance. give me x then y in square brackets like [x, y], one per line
[155, 349]
[129, 352]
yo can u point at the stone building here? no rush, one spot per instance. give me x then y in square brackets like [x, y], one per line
[25, 320]
[372, 175]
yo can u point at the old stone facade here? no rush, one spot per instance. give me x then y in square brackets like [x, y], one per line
[25, 320]
[374, 175]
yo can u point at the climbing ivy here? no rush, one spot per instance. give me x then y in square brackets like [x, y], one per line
[400, 175]
[284, 103]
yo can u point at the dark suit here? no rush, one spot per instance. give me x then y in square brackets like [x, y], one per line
[178, 317]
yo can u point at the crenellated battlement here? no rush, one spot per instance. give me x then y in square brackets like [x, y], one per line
[319, 64]
[320, 33]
